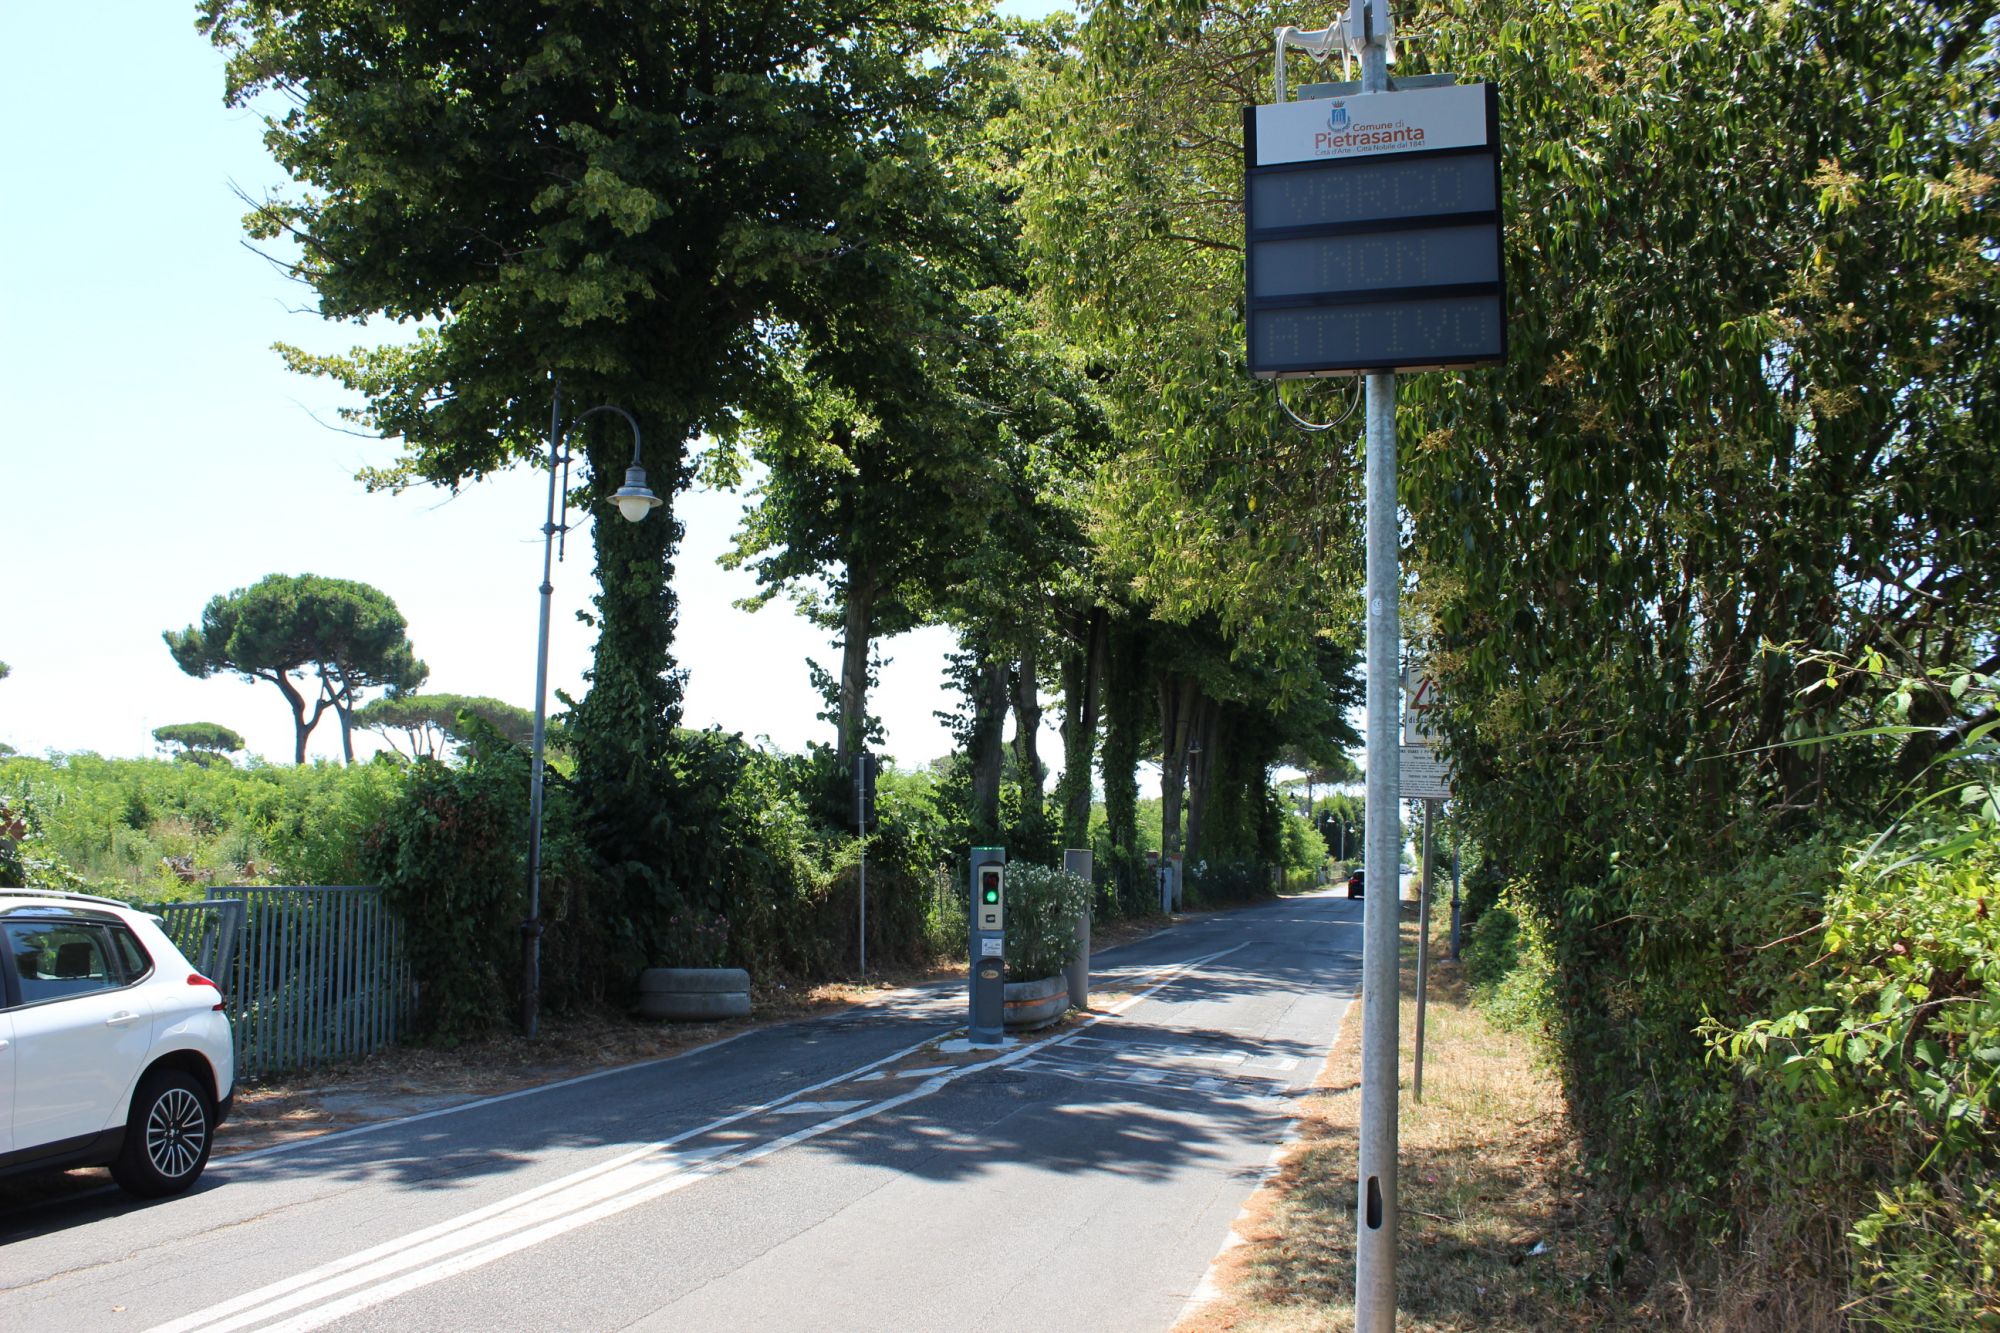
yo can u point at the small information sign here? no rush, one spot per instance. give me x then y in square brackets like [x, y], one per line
[1425, 777]
[1372, 232]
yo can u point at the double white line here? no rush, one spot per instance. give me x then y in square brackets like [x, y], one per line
[383, 1272]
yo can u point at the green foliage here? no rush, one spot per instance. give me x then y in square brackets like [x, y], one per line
[1508, 962]
[346, 636]
[26, 860]
[644, 204]
[1215, 882]
[152, 829]
[1305, 850]
[450, 858]
[1042, 908]
[1213, 513]
[1887, 1044]
[431, 723]
[201, 742]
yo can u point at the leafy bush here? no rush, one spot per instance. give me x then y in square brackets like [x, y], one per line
[1042, 907]
[450, 857]
[1508, 963]
[1878, 1084]
[1305, 849]
[1228, 882]
[26, 861]
[145, 829]
[1492, 948]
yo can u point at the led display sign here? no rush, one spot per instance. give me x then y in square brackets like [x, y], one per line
[1372, 233]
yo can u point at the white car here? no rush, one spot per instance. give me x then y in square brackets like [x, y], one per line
[113, 1050]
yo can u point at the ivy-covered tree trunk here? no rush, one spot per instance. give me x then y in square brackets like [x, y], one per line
[623, 729]
[1124, 723]
[1206, 735]
[1179, 695]
[857, 618]
[1033, 829]
[989, 719]
[1083, 686]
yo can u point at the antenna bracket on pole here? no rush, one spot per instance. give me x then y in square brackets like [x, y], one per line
[1366, 23]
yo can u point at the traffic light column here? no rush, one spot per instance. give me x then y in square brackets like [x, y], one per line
[986, 1024]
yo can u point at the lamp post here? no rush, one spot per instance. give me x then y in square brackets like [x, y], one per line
[635, 500]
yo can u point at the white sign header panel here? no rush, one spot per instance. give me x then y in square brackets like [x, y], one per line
[1370, 124]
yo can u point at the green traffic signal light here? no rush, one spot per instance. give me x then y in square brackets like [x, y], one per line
[992, 894]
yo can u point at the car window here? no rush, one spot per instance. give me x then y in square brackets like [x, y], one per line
[131, 952]
[54, 960]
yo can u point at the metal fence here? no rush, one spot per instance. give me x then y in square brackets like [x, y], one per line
[309, 974]
[204, 932]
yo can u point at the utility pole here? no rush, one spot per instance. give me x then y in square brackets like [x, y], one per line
[1317, 170]
[1454, 900]
[1375, 1207]
[1423, 947]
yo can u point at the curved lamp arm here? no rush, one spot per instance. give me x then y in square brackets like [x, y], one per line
[634, 499]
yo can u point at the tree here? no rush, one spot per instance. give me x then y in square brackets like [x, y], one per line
[345, 636]
[1745, 430]
[429, 723]
[630, 198]
[199, 742]
[896, 446]
[1215, 508]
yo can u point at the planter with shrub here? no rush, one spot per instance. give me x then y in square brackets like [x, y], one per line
[1043, 905]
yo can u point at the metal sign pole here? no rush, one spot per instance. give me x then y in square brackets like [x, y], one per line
[1423, 947]
[1078, 972]
[1454, 900]
[862, 763]
[1375, 1211]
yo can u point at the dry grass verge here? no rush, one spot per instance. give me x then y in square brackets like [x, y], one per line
[1493, 1232]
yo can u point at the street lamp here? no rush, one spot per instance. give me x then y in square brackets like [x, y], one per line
[635, 500]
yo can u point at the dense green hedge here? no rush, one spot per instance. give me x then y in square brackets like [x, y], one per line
[154, 829]
[1804, 1063]
[769, 883]
[1871, 1096]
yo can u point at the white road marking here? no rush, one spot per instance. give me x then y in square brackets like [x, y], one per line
[817, 1108]
[223, 1164]
[383, 1272]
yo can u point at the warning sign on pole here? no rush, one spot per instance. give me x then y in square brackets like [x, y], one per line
[1422, 704]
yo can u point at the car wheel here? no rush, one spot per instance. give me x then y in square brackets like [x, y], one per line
[167, 1136]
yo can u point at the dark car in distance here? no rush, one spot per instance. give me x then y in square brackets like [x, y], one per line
[1355, 884]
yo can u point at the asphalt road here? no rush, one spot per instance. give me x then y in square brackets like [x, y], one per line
[861, 1171]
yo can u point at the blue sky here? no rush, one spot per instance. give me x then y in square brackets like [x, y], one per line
[155, 452]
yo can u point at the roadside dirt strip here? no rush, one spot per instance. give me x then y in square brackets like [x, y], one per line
[372, 1276]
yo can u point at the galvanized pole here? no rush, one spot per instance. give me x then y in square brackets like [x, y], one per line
[1423, 949]
[1375, 1210]
[1454, 900]
[1077, 862]
[531, 929]
[862, 762]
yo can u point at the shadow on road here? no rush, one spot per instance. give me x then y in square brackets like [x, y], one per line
[1093, 1117]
